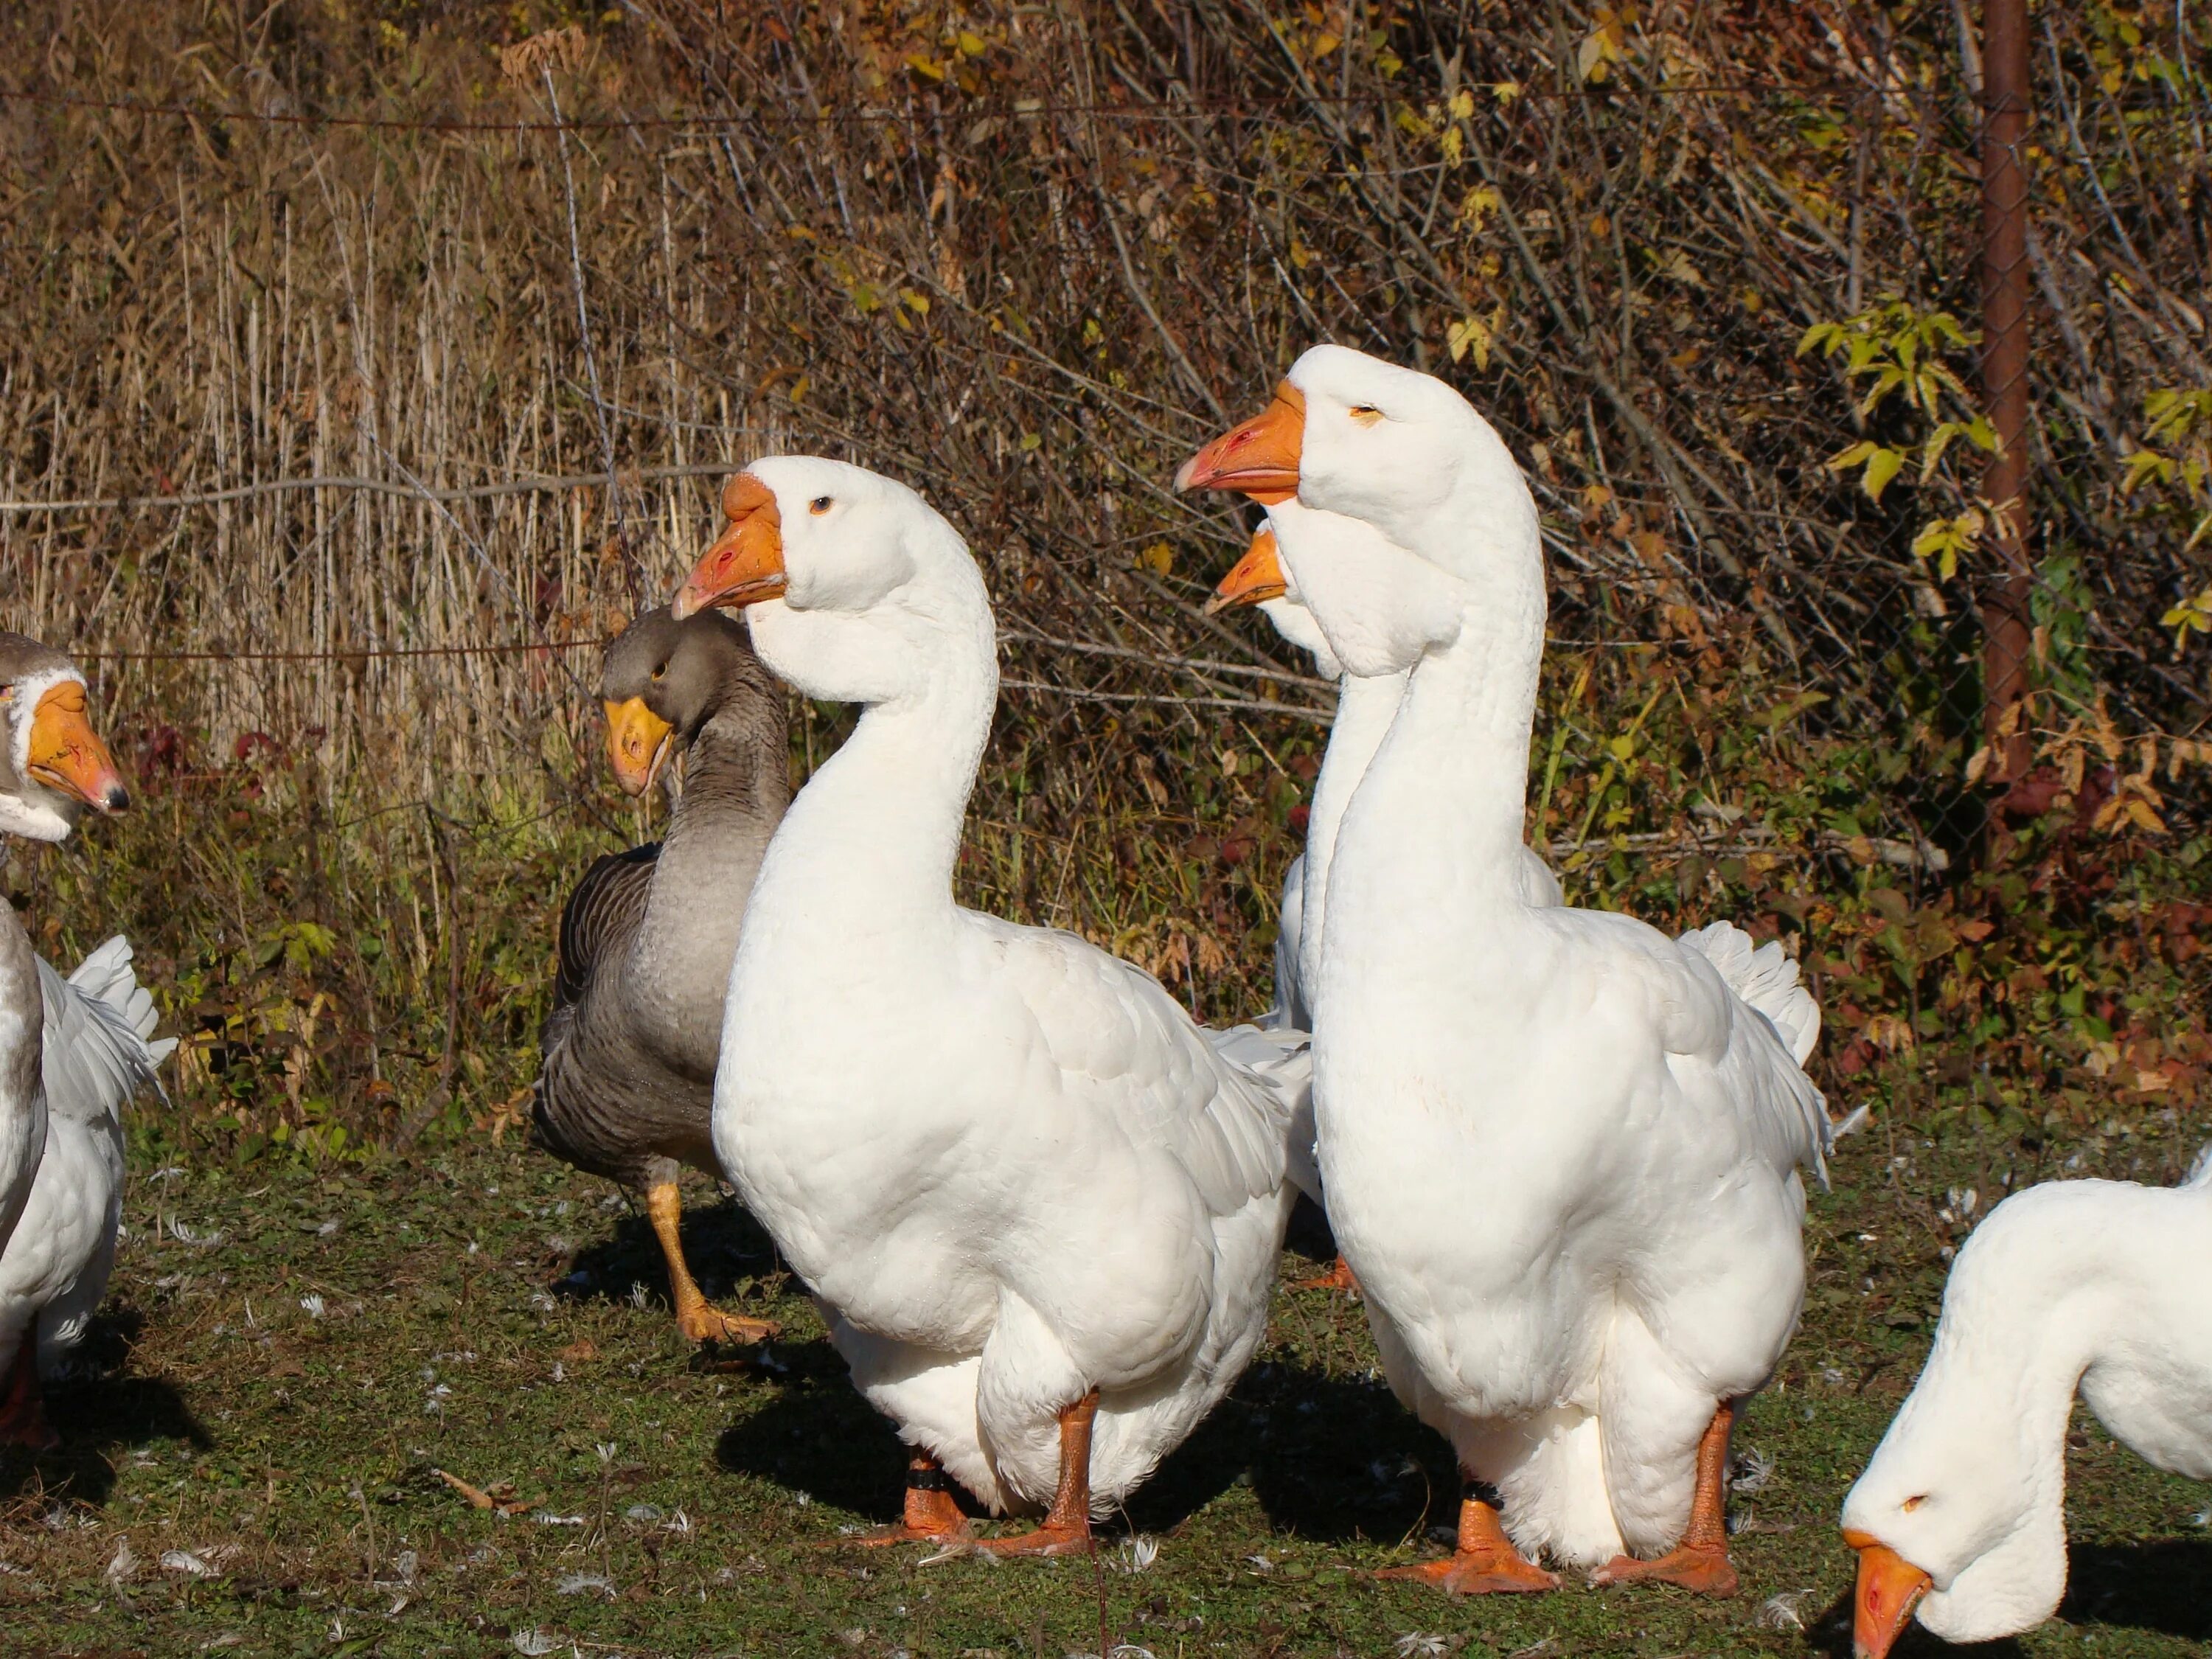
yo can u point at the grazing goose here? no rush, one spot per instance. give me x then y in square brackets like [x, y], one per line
[1365, 706]
[626, 1089]
[1040, 1206]
[52, 765]
[2094, 1286]
[95, 1054]
[1561, 1149]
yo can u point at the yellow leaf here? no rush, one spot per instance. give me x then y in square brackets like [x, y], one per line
[972, 45]
[921, 65]
[1881, 466]
[1158, 558]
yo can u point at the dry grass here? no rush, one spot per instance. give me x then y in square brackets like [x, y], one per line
[1027, 259]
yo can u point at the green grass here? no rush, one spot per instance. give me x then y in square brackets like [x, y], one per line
[478, 1315]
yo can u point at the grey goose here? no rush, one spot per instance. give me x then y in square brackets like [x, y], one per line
[626, 1086]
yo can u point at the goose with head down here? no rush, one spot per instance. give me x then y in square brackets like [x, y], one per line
[1561, 1149]
[626, 1086]
[1039, 1204]
[52, 768]
[2095, 1287]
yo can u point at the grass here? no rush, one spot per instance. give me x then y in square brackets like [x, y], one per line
[487, 1312]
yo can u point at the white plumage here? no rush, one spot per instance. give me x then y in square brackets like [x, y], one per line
[95, 1054]
[1011, 1166]
[2098, 1285]
[1560, 1149]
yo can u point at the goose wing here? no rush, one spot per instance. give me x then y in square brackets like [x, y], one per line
[606, 907]
[95, 1054]
[1124, 1047]
[1719, 1008]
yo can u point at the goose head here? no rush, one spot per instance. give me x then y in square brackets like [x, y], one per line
[664, 680]
[1375, 607]
[1350, 433]
[1960, 1517]
[1259, 580]
[53, 764]
[856, 589]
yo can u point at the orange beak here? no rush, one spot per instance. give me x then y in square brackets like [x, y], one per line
[638, 743]
[745, 564]
[68, 755]
[1259, 458]
[1258, 575]
[1890, 1587]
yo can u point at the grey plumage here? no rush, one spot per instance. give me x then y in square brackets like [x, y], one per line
[626, 1085]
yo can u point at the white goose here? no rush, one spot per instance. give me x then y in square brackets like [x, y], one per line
[1561, 1149]
[1365, 706]
[1040, 1207]
[2098, 1285]
[52, 765]
[95, 1054]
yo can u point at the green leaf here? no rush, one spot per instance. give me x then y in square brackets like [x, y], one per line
[1881, 466]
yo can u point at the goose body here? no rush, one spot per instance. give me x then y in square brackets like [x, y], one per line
[625, 1089]
[1561, 1149]
[96, 1052]
[2090, 1286]
[1039, 1206]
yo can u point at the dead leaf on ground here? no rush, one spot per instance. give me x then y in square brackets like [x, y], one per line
[499, 1497]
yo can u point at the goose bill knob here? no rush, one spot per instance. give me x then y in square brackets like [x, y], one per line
[67, 755]
[745, 564]
[1259, 458]
[1889, 1588]
[1253, 579]
[638, 743]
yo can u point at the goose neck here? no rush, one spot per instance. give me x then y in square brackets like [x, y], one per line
[1365, 706]
[737, 783]
[875, 834]
[1450, 779]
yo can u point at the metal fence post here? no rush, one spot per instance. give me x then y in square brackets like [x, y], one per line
[2007, 629]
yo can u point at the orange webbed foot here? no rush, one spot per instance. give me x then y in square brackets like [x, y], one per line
[1703, 1568]
[706, 1324]
[1053, 1538]
[1339, 1277]
[1472, 1572]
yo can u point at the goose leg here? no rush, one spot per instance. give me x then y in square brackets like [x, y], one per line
[22, 1406]
[1066, 1526]
[699, 1319]
[1700, 1561]
[932, 1513]
[1483, 1562]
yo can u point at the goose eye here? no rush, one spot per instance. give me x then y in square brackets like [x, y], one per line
[1913, 1504]
[660, 670]
[818, 505]
[1365, 414]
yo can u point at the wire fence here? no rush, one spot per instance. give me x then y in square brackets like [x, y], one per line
[435, 396]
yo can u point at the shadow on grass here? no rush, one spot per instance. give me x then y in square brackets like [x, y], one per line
[2163, 1585]
[819, 1436]
[99, 1411]
[1326, 1458]
[725, 1246]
